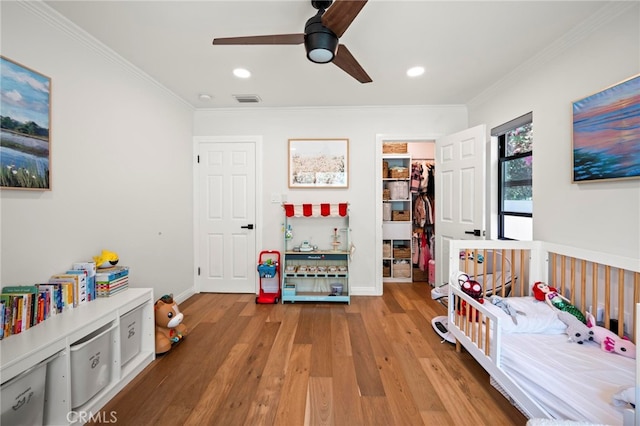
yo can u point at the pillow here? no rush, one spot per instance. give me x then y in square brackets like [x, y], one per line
[533, 316]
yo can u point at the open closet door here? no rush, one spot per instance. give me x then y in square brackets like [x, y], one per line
[459, 193]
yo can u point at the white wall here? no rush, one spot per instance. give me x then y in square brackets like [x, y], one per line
[360, 126]
[599, 216]
[121, 164]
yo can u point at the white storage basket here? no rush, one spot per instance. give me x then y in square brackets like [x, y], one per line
[130, 334]
[399, 190]
[23, 397]
[91, 362]
[386, 211]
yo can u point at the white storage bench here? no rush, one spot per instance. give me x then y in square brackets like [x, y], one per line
[82, 357]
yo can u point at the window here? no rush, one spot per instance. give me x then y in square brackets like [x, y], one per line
[515, 183]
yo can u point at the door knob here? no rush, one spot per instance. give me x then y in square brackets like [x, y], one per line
[475, 232]
[249, 226]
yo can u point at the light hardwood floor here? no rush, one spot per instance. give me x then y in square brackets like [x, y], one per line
[376, 361]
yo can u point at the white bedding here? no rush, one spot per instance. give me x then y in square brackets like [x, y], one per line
[580, 380]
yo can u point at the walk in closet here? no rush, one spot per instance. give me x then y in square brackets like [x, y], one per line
[408, 209]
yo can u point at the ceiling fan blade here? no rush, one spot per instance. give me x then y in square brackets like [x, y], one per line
[265, 39]
[345, 61]
[341, 14]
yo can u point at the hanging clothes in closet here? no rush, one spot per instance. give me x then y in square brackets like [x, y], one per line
[419, 214]
[423, 215]
[430, 199]
[416, 177]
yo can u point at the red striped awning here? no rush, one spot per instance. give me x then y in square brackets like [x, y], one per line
[316, 210]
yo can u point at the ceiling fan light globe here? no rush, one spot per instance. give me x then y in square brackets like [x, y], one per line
[320, 56]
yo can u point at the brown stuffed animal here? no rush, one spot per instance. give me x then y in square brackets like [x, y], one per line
[169, 327]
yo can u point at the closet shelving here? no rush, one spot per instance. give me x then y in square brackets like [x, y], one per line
[396, 217]
[316, 253]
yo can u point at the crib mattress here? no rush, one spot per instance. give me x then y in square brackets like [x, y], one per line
[578, 381]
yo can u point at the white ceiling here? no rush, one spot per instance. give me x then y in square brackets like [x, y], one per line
[465, 47]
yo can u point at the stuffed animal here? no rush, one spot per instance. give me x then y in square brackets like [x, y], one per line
[576, 330]
[169, 327]
[501, 302]
[610, 341]
[474, 290]
[545, 293]
[106, 259]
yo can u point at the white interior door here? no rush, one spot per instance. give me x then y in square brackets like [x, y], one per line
[227, 217]
[459, 193]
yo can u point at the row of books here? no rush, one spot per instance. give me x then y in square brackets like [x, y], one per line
[24, 306]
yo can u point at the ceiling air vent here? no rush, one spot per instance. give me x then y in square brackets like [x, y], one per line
[247, 99]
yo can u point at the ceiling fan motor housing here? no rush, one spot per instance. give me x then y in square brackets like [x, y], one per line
[319, 41]
[321, 4]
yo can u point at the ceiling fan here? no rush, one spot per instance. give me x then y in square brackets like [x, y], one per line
[320, 37]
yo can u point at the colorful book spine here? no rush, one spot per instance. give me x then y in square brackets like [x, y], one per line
[75, 279]
[90, 267]
[83, 295]
[106, 289]
[2, 318]
[7, 301]
[55, 297]
[18, 313]
[40, 311]
[66, 292]
[111, 274]
[68, 295]
[29, 302]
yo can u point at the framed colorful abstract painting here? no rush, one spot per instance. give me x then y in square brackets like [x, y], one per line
[25, 147]
[606, 134]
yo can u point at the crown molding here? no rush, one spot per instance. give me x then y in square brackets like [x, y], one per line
[52, 17]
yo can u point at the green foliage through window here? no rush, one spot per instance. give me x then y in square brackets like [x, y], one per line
[515, 178]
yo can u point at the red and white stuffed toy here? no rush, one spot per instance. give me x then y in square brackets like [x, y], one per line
[474, 290]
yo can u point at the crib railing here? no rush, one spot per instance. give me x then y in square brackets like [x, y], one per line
[607, 291]
[497, 268]
[475, 324]
[608, 286]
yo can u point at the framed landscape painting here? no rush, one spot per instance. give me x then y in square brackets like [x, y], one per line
[606, 134]
[25, 105]
[318, 163]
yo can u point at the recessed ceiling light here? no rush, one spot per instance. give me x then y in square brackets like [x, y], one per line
[241, 73]
[205, 97]
[415, 71]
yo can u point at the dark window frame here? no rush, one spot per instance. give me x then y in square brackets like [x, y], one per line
[503, 159]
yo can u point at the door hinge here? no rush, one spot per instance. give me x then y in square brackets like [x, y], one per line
[198, 271]
[198, 160]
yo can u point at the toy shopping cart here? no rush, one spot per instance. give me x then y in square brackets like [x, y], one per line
[269, 276]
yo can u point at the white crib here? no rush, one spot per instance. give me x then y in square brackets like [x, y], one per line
[605, 284]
